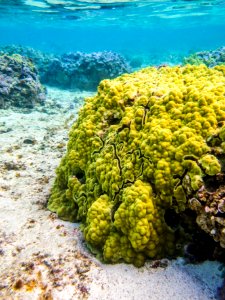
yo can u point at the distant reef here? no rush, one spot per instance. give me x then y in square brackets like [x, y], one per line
[19, 83]
[40, 60]
[85, 71]
[209, 58]
[76, 70]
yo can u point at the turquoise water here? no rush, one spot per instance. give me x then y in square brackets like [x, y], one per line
[155, 29]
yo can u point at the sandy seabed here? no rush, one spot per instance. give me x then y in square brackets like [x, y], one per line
[43, 257]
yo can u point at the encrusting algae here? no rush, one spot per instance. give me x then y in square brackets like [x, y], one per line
[138, 148]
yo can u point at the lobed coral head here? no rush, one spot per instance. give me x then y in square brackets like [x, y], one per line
[142, 146]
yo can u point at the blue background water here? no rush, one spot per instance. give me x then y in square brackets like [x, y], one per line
[158, 28]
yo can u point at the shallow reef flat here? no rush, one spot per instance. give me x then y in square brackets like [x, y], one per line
[43, 257]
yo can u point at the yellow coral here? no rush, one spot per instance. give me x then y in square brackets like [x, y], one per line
[210, 164]
[98, 221]
[142, 132]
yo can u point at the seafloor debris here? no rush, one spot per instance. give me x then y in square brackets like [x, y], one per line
[44, 276]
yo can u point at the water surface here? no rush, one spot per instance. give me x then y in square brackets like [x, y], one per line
[144, 28]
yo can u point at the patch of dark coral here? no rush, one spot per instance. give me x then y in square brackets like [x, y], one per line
[19, 83]
[203, 247]
[208, 206]
[213, 183]
[194, 244]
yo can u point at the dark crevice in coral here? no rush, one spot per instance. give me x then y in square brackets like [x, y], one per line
[181, 178]
[117, 201]
[116, 196]
[118, 159]
[220, 214]
[123, 127]
[112, 120]
[138, 151]
[174, 202]
[146, 109]
[144, 119]
[142, 169]
[114, 209]
[96, 152]
[201, 248]
[191, 157]
[145, 106]
[99, 150]
[130, 102]
[130, 152]
[197, 246]
[123, 186]
[127, 183]
[80, 174]
[122, 144]
[221, 158]
[82, 194]
[212, 183]
[213, 141]
[171, 218]
[145, 157]
[221, 123]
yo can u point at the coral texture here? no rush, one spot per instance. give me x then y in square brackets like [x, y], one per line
[209, 58]
[19, 83]
[142, 146]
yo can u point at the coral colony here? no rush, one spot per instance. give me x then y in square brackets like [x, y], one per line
[19, 83]
[148, 143]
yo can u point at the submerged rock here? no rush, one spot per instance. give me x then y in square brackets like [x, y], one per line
[19, 83]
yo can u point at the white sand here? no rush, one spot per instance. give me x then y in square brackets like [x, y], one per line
[42, 257]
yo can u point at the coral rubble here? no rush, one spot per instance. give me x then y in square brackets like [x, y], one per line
[147, 143]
